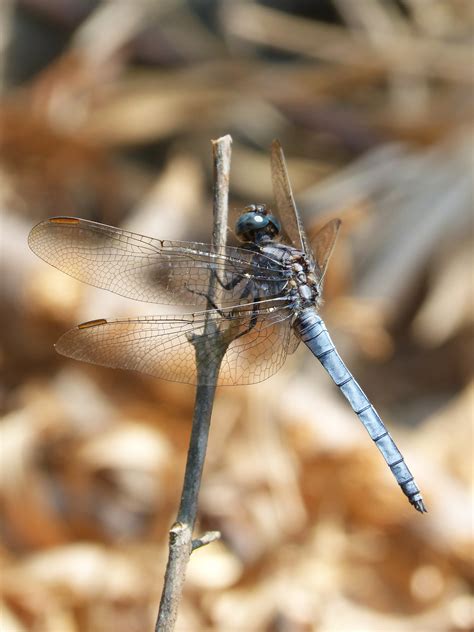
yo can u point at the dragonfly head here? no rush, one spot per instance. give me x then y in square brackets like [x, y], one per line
[257, 224]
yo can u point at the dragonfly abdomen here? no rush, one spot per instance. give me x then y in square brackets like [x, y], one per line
[312, 331]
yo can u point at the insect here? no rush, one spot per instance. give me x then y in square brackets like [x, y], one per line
[268, 292]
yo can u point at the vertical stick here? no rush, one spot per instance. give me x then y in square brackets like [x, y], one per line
[210, 348]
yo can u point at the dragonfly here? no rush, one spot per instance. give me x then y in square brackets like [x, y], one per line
[267, 300]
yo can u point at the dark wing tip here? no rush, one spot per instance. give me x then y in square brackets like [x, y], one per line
[92, 323]
[63, 220]
[42, 225]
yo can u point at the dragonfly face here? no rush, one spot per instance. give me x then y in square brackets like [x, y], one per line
[257, 224]
[268, 293]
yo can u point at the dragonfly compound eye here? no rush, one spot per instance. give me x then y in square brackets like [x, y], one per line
[256, 218]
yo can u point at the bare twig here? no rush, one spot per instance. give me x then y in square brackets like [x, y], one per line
[210, 348]
[207, 538]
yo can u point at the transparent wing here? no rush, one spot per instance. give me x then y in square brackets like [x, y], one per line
[160, 346]
[292, 225]
[322, 245]
[148, 269]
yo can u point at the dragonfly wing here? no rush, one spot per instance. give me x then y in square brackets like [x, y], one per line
[160, 346]
[144, 268]
[261, 352]
[292, 224]
[322, 245]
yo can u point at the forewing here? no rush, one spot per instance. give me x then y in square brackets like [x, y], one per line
[323, 245]
[144, 268]
[292, 224]
[160, 346]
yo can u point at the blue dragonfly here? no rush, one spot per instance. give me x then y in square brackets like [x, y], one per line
[267, 301]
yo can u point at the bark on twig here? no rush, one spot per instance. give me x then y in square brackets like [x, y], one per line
[210, 348]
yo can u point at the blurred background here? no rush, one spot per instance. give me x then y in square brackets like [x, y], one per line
[107, 112]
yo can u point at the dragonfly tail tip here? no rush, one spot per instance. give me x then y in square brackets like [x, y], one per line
[420, 506]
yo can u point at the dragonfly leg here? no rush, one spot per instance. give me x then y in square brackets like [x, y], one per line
[246, 292]
[253, 322]
[254, 317]
[226, 286]
[209, 300]
[231, 284]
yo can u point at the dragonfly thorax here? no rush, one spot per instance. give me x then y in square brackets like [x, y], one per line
[302, 285]
[257, 224]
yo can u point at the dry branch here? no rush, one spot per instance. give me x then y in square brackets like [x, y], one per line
[208, 362]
